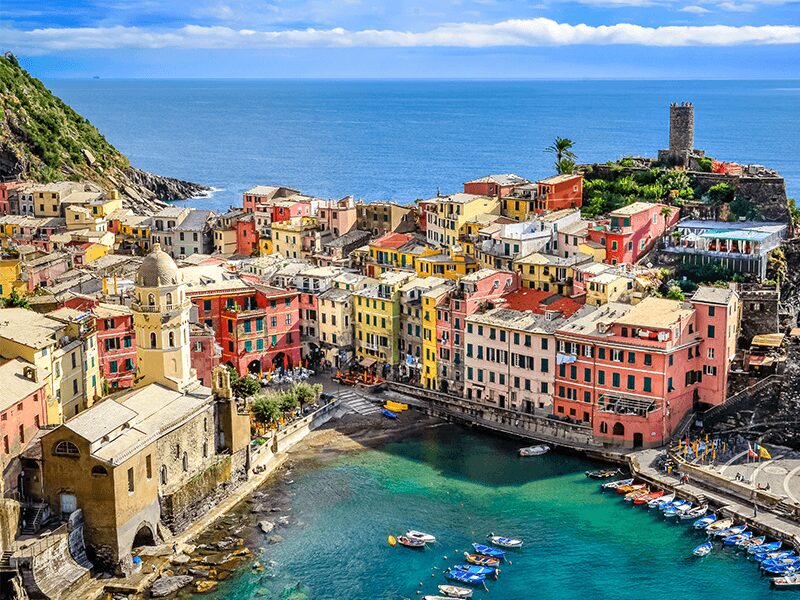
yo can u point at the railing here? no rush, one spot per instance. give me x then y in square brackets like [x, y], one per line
[733, 402]
[40, 544]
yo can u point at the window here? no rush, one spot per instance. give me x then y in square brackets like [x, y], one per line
[711, 353]
[185, 462]
[206, 305]
[99, 471]
[148, 465]
[711, 311]
[130, 481]
[615, 380]
[648, 360]
[163, 474]
[112, 366]
[171, 339]
[601, 377]
[587, 375]
[603, 427]
[648, 384]
[631, 382]
[152, 340]
[711, 331]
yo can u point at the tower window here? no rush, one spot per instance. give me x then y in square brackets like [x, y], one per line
[171, 339]
[152, 340]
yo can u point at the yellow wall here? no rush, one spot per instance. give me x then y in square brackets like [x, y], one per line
[454, 268]
[428, 376]
[598, 254]
[516, 208]
[9, 277]
[265, 247]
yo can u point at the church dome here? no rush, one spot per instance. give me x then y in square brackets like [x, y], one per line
[157, 269]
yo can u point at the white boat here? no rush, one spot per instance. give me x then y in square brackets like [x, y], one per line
[505, 542]
[453, 591]
[694, 513]
[719, 525]
[787, 581]
[534, 450]
[421, 536]
[663, 501]
[438, 597]
[612, 485]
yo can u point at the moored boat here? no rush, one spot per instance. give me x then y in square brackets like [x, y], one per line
[626, 489]
[704, 522]
[422, 536]
[763, 557]
[755, 541]
[731, 531]
[504, 542]
[733, 540]
[648, 498]
[410, 542]
[770, 547]
[603, 473]
[718, 525]
[787, 581]
[534, 450]
[612, 485]
[631, 496]
[464, 577]
[453, 591]
[478, 559]
[781, 566]
[677, 510]
[694, 513]
[389, 414]
[703, 549]
[489, 551]
[488, 571]
[659, 502]
[437, 597]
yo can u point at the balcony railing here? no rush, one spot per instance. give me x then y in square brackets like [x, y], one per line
[625, 404]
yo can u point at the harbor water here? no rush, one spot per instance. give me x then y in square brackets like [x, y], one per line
[461, 485]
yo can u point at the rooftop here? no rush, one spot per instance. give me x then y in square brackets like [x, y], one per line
[503, 179]
[634, 208]
[520, 320]
[558, 179]
[391, 240]
[14, 384]
[658, 313]
[29, 328]
[105, 310]
[713, 295]
[195, 220]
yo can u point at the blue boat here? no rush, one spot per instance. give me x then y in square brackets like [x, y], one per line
[781, 567]
[672, 505]
[731, 531]
[489, 551]
[765, 556]
[389, 414]
[771, 547]
[733, 540]
[675, 510]
[703, 549]
[465, 577]
[704, 522]
[476, 570]
[776, 560]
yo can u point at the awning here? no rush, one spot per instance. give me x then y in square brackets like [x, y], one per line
[367, 362]
[771, 340]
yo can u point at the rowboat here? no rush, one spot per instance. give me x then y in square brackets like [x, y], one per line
[477, 559]
[762, 557]
[731, 531]
[787, 581]
[504, 542]
[631, 496]
[603, 474]
[489, 551]
[697, 511]
[756, 541]
[648, 498]
[673, 506]
[426, 538]
[464, 577]
[720, 524]
[704, 522]
[410, 542]
[395, 406]
[625, 489]
[733, 540]
[488, 571]
[534, 450]
[389, 414]
[453, 591]
[658, 502]
[781, 565]
[677, 509]
[703, 549]
[771, 547]
[437, 598]
[612, 485]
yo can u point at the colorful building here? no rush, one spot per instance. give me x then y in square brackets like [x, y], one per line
[446, 215]
[549, 273]
[338, 216]
[631, 231]
[116, 341]
[494, 186]
[559, 192]
[450, 265]
[263, 196]
[393, 251]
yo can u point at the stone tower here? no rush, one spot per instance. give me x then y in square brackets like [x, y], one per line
[161, 322]
[681, 132]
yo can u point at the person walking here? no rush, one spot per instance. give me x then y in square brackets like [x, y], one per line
[755, 509]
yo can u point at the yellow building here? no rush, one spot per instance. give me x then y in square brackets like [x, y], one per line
[293, 238]
[106, 204]
[10, 271]
[519, 209]
[81, 217]
[593, 249]
[450, 265]
[608, 287]
[50, 200]
[377, 320]
[446, 215]
[549, 273]
[394, 251]
[133, 232]
[265, 247]
[428, 377]
[335, 319]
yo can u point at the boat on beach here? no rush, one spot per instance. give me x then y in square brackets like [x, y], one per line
[504, 542]
[453, 591]
[703, 549]
[422, 536]
[489, 551]
[478, 559]
[534, 450]
[410, 542]
[488, 571]
[612, 485]
[464, 577]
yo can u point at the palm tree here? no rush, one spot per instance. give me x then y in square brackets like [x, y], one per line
[565, 157]
[666, 212]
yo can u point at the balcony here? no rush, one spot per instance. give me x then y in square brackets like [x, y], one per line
[625, 404]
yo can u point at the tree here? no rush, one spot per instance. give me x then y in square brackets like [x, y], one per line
[266, 409]
[565, 157]
[243, 387]
[666, 212]
[674, 292]
[307, 393]
[15, 300]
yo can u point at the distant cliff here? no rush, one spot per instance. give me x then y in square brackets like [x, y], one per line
[42, 140]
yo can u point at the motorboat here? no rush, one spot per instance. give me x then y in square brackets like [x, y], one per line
[719, 525]
[534, 450]
[603, 473]
[733, 540]
[422, 536]
[478, 559]
[658, 502]
[410, 542]
[464, 577]
[488, 571]
[489, 551]
[703, 549]
[787, 581]
[677, 510]
[731, 531]
[453, 591]
[626, 489]
[704, 522]
[612, 485]
[648, 498]
[505, 542]
[694, 513]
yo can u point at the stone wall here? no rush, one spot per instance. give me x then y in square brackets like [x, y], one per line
[760, 306]
[9, 519]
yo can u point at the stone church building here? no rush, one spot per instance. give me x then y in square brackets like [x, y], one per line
[158, 455]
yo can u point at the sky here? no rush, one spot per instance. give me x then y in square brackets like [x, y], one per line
[654, 39]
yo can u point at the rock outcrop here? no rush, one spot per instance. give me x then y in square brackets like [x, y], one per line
[166, 585]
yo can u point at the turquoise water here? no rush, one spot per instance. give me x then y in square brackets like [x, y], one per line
[459, 485]
[403, 140]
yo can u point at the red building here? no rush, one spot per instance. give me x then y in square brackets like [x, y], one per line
[257, 327]
[283, 210]
[23, 410]
[263, 195]
[494, 186]
[205, 352]
[559, 191]
[631, 231]
[633, 373]
[116, 343]
[5, 190]
[246, 235]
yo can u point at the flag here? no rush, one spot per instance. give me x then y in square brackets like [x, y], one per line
[750, 453]
[764, 453]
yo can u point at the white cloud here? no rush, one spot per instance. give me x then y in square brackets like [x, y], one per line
[737, 7]
[697, 10]
[515, 32]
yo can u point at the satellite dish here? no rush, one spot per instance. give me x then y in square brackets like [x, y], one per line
[649, 265]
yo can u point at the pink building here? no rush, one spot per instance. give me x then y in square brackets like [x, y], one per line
[42, 271]
[263, 195]
[473, 291]
[23, 410]
[338, 216]
[634, 372]
[205, 352]
[6, 189]
[631, 231]
[494, 186]
[283, 210]
[116, 343]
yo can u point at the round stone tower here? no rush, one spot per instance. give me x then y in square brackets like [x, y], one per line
[681, 131]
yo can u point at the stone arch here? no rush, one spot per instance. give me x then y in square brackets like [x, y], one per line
[153, 339]
[619, 429]
[145, 536]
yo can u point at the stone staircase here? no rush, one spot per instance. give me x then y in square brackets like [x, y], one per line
[357, 403]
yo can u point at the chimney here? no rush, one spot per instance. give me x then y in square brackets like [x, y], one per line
[29, 372]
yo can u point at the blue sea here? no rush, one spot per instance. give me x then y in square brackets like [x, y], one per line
[403, 140]
[580, 543]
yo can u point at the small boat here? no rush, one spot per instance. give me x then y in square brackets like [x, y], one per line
[771, 547]
[731, 531]
[704, 522]
[720, 524]
[648, 498]
[756, 541]
[659, 502]
[504, 542]
[395, 406]
[488, 571]
[603, 474]
[763, 557]
[733, 540]
[780, 566]
[697, 511]
[389, 414]
[419, 535]
[703, 549]
[534, 450]
[787, 581]
[453, 591]
[612, 485]
[489, 551]
[631, 496]
[464, 577]
[677, 510]
[410, 542]
[477, 559]
[437, 598]
[626, 489]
